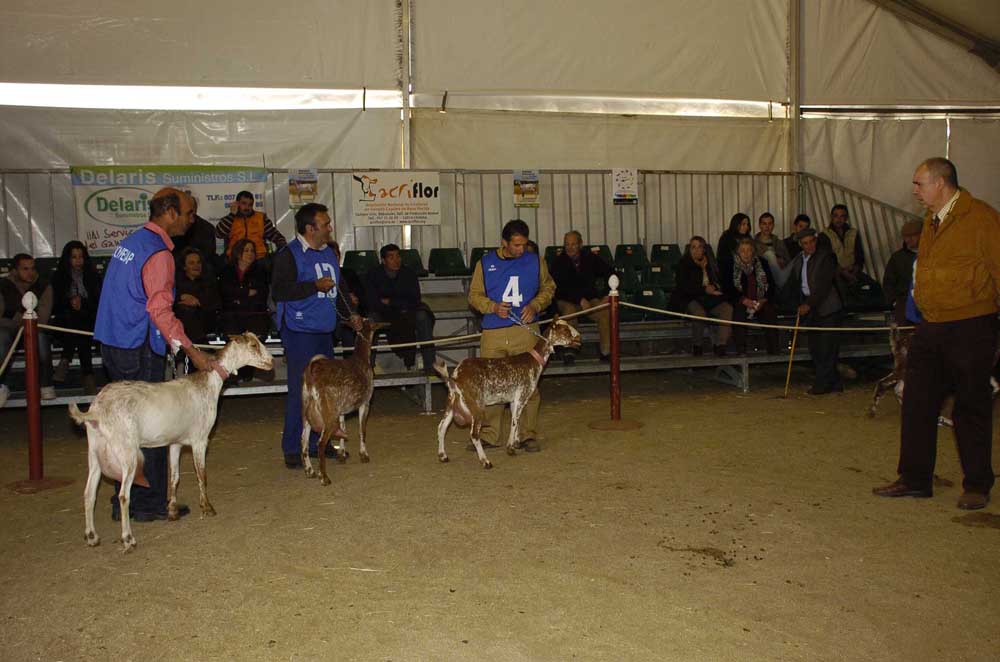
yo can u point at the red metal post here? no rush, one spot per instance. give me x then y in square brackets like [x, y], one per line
[616, 391]
[32, 393]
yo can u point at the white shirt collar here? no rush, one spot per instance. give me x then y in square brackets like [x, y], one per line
[302, 240]
[943, 214]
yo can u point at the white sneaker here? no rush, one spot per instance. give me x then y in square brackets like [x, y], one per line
[4, 394]
[48, 392]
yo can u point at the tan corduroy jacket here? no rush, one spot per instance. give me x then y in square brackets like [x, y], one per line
[958, 265]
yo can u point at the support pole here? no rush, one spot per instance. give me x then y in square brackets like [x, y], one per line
[32, 387]
[616, 422]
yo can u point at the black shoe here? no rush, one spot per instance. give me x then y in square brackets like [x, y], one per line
[604, 358]
[141, 516]
[293, 461]
[330, 452]
[529, 445]
[568, 358]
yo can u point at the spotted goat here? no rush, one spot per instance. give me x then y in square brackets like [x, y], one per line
[332, 388]
[477, 383]
[126, 416]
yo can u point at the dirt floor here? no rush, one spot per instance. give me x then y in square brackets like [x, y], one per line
[730, 527]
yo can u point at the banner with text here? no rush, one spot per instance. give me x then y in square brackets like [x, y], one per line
[113, 201]
[396, 198]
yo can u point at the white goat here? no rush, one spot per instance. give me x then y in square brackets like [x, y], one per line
[127, 416]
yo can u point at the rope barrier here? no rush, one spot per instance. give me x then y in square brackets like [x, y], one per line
[13, 348]
[758, 325]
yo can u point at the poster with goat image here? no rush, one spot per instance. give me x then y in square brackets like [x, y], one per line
[625, 186]
[525, 188]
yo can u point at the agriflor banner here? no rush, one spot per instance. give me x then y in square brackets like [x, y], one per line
[112, 201]
[396, 198]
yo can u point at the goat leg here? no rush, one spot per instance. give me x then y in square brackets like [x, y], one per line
[516, 407]
[306, 462]
[174, 477]
[324, 439]
[881, 386]
[442, 429]
[362, 425]
[128, 477]
[340, 434]
[477, 427]
[198, 449]
[90, 493]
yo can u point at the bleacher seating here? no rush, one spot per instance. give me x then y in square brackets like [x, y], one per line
[551, 253]
[630, 256]
[46, 267]
[477, 254]
[654, 298]
[666, 254]
[412, 260]
[360, 261]
[600, 249]
[661, 276]
[447, 262]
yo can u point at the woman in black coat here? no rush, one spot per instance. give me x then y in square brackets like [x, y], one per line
[750, 289]
[243, 284]
[739, 227]
[76, 289]
[699, 292]
[196, 302]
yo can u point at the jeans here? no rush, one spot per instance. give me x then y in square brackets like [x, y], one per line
[143, 365]
[44, 355]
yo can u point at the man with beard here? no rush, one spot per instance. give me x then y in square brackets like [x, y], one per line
[242, 222]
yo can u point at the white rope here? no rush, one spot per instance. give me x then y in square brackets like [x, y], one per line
[13, 348]
[758, 325]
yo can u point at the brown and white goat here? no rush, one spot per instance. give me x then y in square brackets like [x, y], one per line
[127, 416]
[899, 343]
[477, 383]
[332, 388]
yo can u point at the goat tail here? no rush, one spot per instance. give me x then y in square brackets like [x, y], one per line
[79, 417]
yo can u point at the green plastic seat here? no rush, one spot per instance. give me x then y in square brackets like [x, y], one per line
[663, 276]
[46, 266]
[630, 256]
[412, 260]
[669, 254]
[626, 314]
[360, 261]
[631, 280]
[477, 254]
[447, 262]
[654, 298]
[100, 263]
[551, 253]
[600, 249]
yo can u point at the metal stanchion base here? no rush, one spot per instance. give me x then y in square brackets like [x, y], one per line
[613, 426]
[35, 486]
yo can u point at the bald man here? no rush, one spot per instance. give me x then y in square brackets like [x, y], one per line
[136, 327]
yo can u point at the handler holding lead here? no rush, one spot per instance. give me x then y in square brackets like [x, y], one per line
[503, 281]
[304, 285]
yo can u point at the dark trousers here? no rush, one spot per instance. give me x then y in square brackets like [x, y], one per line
[143, 365]
[948, 357]
[410, 326]
[825, 351]
[299, 350]
[766, 315]
[79, 345]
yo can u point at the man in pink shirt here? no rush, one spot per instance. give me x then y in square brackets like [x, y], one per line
[136, 327]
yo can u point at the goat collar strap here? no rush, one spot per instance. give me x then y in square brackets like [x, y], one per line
[220, 370]
[538, 357]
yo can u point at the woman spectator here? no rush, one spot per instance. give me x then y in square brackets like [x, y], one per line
[739, 227]
[699, 292]
[76, 288]
[196, 302]
[749, 287]
[243, 285]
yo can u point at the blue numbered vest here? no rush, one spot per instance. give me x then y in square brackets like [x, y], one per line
[122, 320]
[513, 281]
[316, 313]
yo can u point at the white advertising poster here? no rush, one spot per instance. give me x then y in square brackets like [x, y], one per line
[113, 201]
[302, 187]
[396, 198]
[526, 188]
[625, 186]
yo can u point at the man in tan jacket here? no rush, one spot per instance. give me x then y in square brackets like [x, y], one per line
[957, 289]
[511, 283]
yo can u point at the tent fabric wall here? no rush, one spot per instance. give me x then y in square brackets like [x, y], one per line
[504, 140]
[855, 53]
[310, 43]
[685, 48]
[54, 138]
[875, 157]
[974, 150]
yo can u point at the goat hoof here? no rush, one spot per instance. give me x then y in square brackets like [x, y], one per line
[511, 450]
[208, 511]
[92, 539]
[871, 413]
[325, 481]
[128, 544]
[342, 458]
[487, 465]
[442, 457]
[365, 459]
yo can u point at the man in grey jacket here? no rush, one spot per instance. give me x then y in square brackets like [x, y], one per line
[814, 274]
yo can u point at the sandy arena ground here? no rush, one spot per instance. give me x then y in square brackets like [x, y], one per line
[729, 527]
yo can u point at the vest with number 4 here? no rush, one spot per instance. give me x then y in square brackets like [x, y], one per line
[513, 281]
[316, 313]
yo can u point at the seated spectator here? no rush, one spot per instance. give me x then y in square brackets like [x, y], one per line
[739, 227]
[201, 235]
[749, 288]
[76, 289]
[772, 249]
[243, 289]
[350, 286]
[196, 300]
[23, 278]
[393, 295]
[845, 244]
[899, 271]
[801, 222]
[242, 222]
[699, 292]
[576, 274]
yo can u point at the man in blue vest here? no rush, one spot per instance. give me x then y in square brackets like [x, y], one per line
[511, 283]
[136, 325]
[304, 285]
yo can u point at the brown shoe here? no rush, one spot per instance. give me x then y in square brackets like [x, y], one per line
[901, 489]
[973, 501]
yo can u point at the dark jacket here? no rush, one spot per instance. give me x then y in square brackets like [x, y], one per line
[286, 286]
[201, 236]
[824, 295]
[898, 276]
[403, 292]
[689, 285]
[574, 284]
[200, 320]
[241, 310]
[62, 311]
